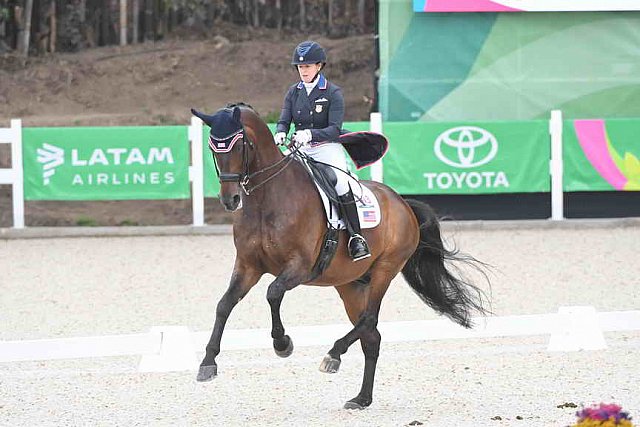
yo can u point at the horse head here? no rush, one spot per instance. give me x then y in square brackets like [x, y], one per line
[236, 132]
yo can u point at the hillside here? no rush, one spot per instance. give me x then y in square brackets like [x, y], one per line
[157, 84]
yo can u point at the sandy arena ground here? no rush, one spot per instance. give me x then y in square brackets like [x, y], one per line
[89, 286]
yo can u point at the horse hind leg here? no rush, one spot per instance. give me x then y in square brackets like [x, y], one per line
[366, 329]
[354, 297]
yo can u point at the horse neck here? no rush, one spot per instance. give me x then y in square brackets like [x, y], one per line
[282, 175]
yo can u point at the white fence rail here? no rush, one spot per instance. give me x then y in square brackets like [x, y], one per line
[174, 348]
[14, 175]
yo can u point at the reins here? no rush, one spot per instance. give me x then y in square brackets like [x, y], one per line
[288, 158]
[243, 178]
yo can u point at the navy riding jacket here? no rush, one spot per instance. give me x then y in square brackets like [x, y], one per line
[322, 111]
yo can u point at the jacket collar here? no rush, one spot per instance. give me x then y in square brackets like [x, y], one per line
[322, 83]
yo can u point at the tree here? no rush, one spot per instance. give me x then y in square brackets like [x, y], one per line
[23, 21]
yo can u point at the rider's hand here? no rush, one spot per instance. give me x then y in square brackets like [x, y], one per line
[280, 138]
[302, 137]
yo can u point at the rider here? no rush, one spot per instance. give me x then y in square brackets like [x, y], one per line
[316, 107]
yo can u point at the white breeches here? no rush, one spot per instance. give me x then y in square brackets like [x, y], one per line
[332, 154]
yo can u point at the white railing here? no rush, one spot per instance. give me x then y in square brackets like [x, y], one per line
[196, 171]
[174, 348]
[556, 166]
[14, 175]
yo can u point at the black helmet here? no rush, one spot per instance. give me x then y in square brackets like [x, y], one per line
[308, 53]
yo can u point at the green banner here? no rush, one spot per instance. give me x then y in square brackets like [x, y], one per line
[467, 158]
[601, 155]
[211, 183]
[106, 163]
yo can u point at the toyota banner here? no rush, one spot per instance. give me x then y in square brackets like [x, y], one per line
[115, 163]
[467, 158]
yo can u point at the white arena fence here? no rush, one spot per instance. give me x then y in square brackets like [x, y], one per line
[174, 348]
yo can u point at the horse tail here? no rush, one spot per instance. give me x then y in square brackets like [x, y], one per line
[429, 272]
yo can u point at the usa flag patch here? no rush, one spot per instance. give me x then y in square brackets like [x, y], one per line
[369, 216]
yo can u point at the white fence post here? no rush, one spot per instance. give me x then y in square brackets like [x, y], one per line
[375, 125]
[15, 174]
[196, 171]
[556, 166]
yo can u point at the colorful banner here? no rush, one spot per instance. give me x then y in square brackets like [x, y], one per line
[523, 5]
[467, 158]
[212, 185]
[106, 163]
[601, 155]
[507, 66]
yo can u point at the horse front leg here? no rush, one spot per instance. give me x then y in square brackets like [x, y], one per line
[282, 344]
[242, 280]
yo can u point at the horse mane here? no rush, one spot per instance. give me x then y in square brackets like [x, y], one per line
[241, 104]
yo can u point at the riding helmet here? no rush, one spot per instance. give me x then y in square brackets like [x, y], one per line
[308, 52]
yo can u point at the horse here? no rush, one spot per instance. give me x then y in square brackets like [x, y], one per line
[278, 228]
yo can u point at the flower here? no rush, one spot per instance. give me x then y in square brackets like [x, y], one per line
[603, 415]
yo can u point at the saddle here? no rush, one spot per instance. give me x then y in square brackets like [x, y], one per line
[366, 203]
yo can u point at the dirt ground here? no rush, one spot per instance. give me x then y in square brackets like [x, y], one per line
[157, 84]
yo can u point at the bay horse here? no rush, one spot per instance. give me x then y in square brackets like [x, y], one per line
[278, 228]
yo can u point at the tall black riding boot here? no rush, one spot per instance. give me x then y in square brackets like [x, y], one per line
[358, 248]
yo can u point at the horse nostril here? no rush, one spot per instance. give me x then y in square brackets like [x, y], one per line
[236, 200]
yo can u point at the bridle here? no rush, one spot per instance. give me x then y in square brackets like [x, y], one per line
[245, 176]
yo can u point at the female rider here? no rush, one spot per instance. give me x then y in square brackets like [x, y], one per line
[316, 107]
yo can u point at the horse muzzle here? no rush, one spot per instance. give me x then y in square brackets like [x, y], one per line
[231, 203]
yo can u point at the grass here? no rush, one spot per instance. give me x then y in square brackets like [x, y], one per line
[85, 221]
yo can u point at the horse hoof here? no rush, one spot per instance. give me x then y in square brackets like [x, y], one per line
[329, 365]
[207, 373]
[288, 349]
[354, 404]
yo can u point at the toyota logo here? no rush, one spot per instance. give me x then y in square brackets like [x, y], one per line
[466, 146]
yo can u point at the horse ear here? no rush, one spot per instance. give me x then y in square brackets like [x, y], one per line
[236, 114]
[201, 116]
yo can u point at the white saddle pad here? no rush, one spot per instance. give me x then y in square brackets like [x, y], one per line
[366, 202]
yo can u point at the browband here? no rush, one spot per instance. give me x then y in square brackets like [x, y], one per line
[224, 146]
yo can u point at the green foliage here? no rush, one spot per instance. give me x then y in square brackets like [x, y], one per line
[84, 221]
[272, 117]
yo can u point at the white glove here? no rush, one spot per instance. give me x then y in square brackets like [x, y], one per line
[279, 138]
[302, 137]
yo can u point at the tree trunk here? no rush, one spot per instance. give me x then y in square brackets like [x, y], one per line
[330, 17]
[256, 13]
[278, 15]
[123, 22]
[104, 23]
[53, 28]
[148, 20]
[303, 16]
[25, 28]
[135, 18]
[361, 18]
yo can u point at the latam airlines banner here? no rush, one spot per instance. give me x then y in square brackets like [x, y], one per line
[523, 5]
[115, 163]
[467, 158]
